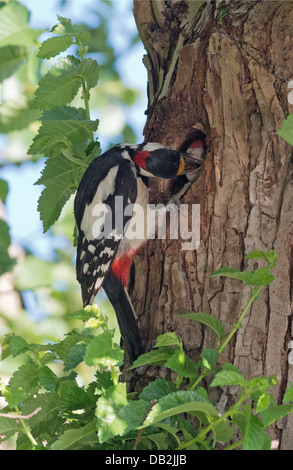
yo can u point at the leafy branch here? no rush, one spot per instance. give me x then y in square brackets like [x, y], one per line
[66, 134]
[56, 410]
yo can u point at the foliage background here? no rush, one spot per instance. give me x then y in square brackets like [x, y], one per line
[41, 289]
[38, 291]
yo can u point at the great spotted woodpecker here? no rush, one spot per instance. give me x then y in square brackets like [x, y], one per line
[105, 249]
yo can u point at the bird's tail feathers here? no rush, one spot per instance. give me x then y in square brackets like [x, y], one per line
[120, 300]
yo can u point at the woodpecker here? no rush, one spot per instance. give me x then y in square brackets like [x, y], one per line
[105, 249]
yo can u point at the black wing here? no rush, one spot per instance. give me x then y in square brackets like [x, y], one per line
[108, 186]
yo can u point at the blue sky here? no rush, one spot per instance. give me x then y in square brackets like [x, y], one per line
[21, 207]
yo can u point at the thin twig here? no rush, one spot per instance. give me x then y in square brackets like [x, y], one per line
[16, 416]
[140, 431]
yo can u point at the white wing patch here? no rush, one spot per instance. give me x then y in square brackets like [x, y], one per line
[105, 189]
[107, 251]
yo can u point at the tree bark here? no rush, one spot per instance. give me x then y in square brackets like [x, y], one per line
[227, 79]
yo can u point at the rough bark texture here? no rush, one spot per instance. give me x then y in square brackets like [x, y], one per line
[230, 82]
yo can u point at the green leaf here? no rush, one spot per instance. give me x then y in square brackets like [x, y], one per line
[47, 422]
[91, 315]
[274, 412]
[104, 381]
[271, 257]
[14, 29]
[72, 397]
[63, 128]
[84, 37]
[64, 27]
[48, 357]
[74, 131]
[262, 402]
[3, 190]
[156, 357]
[157, 389]
[286, 130]
[234, 273]
[89, 70]
[74, 356]
[14, 118]
[168, 339]
[18, 345]
[23, 383]
[160, 440]
[8, 427]
[53, 46]
[223, 432]
[64, 113]
[180, 402]
[72, 338]
[53, 90]
[61, 84]
[228, 377]
[60, 171]
[240, 419]
[177, 424]
[259, 277]
[65, 66]
[11, 57]
[76, 439]
[133, 414]
[262, 277]
[254, 437]
[182, 364]
[5, 239]
[48, 379]
[81, 314]
[103, 352]
[109, 423]
[61, 177]
[209, 359]
[208, 320]
[6, 262]
[288, 393]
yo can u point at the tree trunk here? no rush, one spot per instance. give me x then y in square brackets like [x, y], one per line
[227, 79]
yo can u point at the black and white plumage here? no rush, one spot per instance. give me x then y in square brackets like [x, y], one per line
[104, 251]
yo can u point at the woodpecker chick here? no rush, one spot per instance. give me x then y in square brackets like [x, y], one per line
[195, 153]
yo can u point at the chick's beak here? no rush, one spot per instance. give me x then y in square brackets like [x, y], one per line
[189, 163]
[193, 158]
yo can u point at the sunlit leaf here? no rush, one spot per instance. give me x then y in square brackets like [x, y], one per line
[53, 46]
[11, 57]
[14, 30]
[208, 320]
[179, 402]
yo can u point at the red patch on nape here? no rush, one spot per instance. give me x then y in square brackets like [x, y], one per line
[121, 267]
[140, 158]
[197, 144]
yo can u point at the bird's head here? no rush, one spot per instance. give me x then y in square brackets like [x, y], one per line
[153, 159]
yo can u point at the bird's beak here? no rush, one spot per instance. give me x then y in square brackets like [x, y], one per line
[190, 163]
